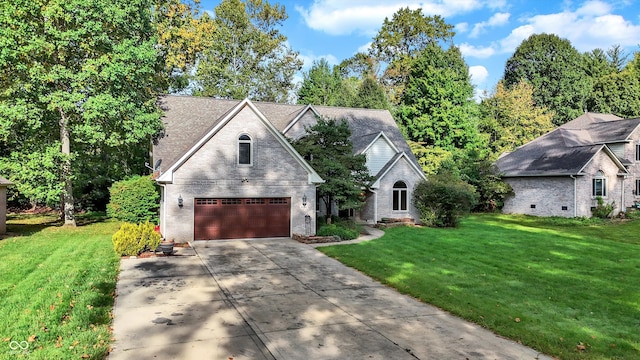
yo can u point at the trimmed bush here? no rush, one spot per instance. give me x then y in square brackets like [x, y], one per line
[338, 230]
[134, 200]
[444, 199]
[132, 239]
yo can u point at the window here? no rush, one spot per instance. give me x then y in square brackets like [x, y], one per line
[637, 192]
[399, 196]
[637, 152]
[599, 185]
[244, 150]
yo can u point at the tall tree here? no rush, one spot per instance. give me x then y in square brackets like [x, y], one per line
[437, 107]
[247, 56]
[330, 152]
[359, 66]
[554, 68]
[401, 38]
[618, 93]
[183, 33]
[321, 85]
[76, 76]
[371, 95]
[511, 118]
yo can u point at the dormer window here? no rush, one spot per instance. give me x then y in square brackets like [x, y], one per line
[245, 151]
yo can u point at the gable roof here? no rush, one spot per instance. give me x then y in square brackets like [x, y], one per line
[567, 149]
[188, 119]
[5, 182]
[167, 176]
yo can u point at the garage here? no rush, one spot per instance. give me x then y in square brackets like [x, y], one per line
[240, 218]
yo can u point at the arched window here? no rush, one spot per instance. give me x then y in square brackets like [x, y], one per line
[599, 185]
[245, 152]
[400, 196]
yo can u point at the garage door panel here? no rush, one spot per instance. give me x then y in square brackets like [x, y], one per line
[234, 218]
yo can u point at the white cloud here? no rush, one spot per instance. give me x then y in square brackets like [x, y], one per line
[497, 19]
[340, 17]
[365, 48]
[462, 27]
[476, 51]
[590, 26]
[308, 59]
[479, 74]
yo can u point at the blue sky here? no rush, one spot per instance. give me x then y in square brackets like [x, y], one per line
[487, 31]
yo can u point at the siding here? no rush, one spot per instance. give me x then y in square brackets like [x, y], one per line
[378, 155]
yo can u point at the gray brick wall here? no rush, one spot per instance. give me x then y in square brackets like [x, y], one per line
[213, 172]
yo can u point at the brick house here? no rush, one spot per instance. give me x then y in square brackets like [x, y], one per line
[563, 172]
[4, 183]
[228, 171]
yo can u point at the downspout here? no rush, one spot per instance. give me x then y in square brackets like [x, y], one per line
[575, 194]
[163, 210]
[375, 206]
[622, 207]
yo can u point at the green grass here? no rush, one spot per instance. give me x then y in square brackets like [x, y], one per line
[551, 284]
[56, 288]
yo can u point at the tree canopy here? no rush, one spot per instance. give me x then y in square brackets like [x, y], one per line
[78, 78]
[321, 85]
[555, 69]
[511, 118]
[246, 55]
[329, 151]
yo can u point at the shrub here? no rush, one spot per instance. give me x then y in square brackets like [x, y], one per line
[132, 239]
[603, 210]
[339, 230]
[134, 200]
[443, 200]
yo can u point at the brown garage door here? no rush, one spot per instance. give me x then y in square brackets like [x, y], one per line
[238, 218]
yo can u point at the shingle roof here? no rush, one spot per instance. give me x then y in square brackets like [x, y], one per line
[5, 182]
[567, 149]
[188, 118]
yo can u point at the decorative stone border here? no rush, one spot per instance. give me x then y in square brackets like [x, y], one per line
[315, 239]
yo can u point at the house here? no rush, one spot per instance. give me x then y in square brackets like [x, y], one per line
[563, 172]
[227, 169]
[4, 183]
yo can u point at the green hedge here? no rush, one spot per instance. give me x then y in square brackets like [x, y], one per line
[343, 232]
[134, 200]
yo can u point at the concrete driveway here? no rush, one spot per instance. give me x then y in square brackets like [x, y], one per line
[279, 299]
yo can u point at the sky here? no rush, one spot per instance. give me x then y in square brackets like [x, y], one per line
[487, 31]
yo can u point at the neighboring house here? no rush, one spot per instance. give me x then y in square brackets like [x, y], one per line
[4, 183]
[228, 171]
[563, 172]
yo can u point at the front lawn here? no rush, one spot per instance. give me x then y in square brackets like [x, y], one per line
[567, 288]
[56, 288]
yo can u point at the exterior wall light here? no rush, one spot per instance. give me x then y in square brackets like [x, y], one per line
[304, 200]
[180, 201]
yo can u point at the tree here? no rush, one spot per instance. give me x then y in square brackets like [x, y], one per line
[183, 33]
[554, 68]
[76, 76]
[359, 66]
[617, 93]
[400, 39]
[370, 95]
[321, 85]
[329, 151]
[443, 199]
[511, 118]
[437, 107]
[246, 55]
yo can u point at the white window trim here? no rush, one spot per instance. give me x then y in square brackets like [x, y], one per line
[251, 149]
[599, 176]
[406, 194]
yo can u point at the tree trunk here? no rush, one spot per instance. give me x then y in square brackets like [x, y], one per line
[67, 193]
[327, 201]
